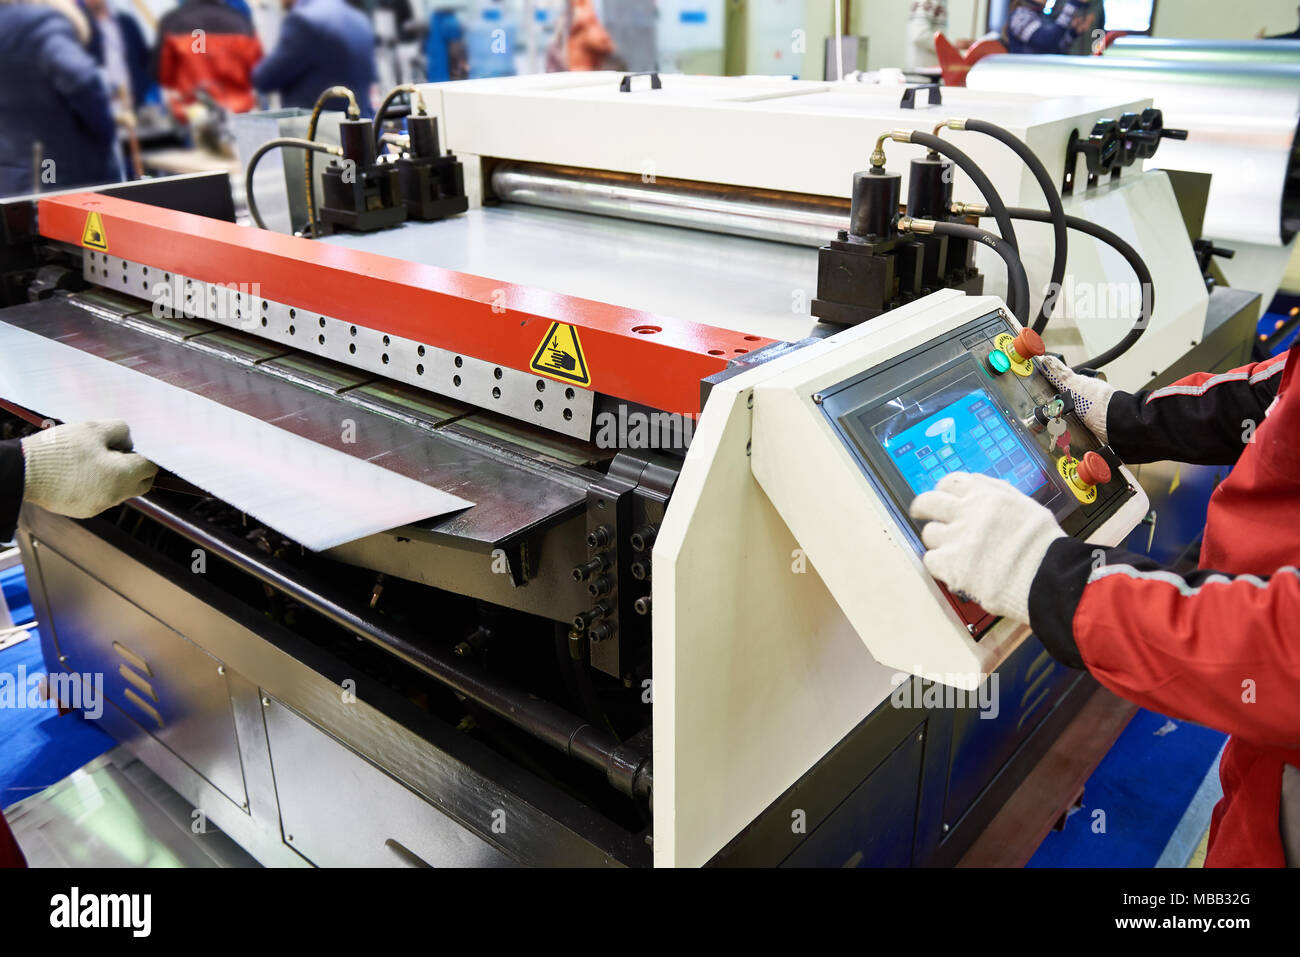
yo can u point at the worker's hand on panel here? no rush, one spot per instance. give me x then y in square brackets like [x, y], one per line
[985, 539]
[1091, 395]
[83, 468]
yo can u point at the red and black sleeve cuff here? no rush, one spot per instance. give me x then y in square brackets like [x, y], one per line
[1056, 592]
[12, 475]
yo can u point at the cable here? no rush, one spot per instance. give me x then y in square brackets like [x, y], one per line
[1059, 230]
[1135, 262]
[394, 93]
[1017, 280]
[354, 112]
[265, 148]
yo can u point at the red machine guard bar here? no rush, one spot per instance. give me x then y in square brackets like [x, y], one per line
[630, 355]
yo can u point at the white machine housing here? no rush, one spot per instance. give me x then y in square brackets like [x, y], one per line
[810, 137]
[769, 652]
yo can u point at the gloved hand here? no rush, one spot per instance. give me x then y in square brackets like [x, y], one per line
[985, 539]
[83, 468]
[1091, 395]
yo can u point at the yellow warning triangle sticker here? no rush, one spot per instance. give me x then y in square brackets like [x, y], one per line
[93, 234]
[560, 355]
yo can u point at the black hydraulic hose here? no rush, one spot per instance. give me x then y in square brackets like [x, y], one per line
[378, 127]
[555, 726]
[1059, 229]
[291, 141]
[997, 208]
[1135, 263]
[1017, 280]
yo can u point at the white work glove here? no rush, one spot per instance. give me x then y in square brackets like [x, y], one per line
[986, 539]
[1091, 395]
[83, 468]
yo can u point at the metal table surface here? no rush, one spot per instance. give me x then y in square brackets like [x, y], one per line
[414, 434]
[748, 285]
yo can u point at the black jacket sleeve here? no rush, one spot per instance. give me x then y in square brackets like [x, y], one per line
[1203, 419]
[12, 474]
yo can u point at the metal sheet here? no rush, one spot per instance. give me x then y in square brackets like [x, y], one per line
[410, 432]
[733, 282]
[318, 496]
[1203, 51]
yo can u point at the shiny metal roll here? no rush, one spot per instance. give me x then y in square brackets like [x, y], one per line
[1242, 120]
[1206, 52]
[758, 214]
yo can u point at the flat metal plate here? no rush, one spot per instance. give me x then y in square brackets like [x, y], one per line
[521, 478]
[749, 285]
[316, 495]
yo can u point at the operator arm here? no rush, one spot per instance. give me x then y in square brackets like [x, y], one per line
[78, 470]
[11, 486]
[1206, 647]
[1204, 419]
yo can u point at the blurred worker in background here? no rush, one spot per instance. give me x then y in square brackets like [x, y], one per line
[444, 47]
[1030, 30]
[205, 45]
[925, 19]
[581, 41]
[56, 123]
[78, 470]
[322, 43]
[117, 43]
[1218, 646]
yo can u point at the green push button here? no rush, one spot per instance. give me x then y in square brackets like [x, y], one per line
[999, 362]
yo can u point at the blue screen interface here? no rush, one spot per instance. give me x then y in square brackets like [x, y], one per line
[968, 435]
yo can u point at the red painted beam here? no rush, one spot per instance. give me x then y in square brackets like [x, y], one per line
[631, 355]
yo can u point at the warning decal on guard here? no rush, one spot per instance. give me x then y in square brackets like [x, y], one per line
[560, 355]
[93, 234]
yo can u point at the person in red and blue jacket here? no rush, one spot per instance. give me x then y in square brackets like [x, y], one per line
[1219, 646]
[207, 45]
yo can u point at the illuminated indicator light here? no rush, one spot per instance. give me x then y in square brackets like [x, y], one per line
[999, 362]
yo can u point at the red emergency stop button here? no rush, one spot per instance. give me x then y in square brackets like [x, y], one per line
[1027, 345]
[1092, 470]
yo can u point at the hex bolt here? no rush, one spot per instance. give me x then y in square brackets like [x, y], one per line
[602, 632]
[640, 571]
[600, 586]
[599, 537]
[643, 538]
[642, 605]
[582, 572]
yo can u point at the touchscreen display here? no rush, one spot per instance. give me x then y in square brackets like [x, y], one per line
[965, 433]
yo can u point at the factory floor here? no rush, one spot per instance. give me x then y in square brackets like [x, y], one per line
[73, 798]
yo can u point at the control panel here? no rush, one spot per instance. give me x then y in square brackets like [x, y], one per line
[975, 400]
[846, 431]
